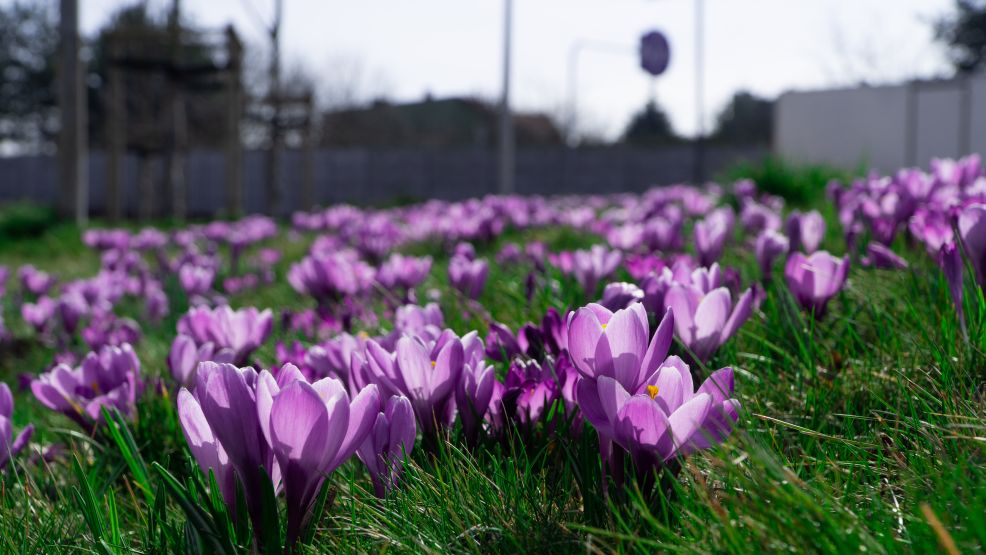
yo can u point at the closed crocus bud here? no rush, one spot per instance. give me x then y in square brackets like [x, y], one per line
[972, 229]
[770, 245]
[500, 343]
[10, 446]
[594, 265]
[472, 397]
[880, 256]
[805, 231]
[619, 295]
[711, 234]
[950, 260]
[815, 279]
[468, 276]
[196, 280]
[704, 321]
[389, 441]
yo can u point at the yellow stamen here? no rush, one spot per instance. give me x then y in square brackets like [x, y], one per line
[604, 327]
[433, 364]
[652, 390]
[362, 334]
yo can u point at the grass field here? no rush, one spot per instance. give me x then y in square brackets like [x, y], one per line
[862, 431]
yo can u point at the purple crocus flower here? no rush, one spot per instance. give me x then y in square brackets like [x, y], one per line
[109, 378]
[617, 344]
[39, 314]
[805, 231]
[950, 260]
[331, 276]
[185, 356]
[196, 280]
[880, 256]
[403, 272]
[704, 321]
[815, 279]
[711, 234]
[475, 387]
[620, 294]
[221, 425]
[468, 276]
[35, 281]
[10, 446]
[594, 265]
[426, 372]
[312, 429]
[389, 441]
[665, 417]
[241, 331]
[500, 343]
[972, 229]
[770, 244]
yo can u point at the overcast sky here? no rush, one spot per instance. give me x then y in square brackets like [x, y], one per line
[406, 48]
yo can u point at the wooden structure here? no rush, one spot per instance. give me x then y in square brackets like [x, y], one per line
[161, 126]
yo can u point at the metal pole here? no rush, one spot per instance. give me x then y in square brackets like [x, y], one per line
[700, 91]
[506, 174]
[73, 147]
[274, 188]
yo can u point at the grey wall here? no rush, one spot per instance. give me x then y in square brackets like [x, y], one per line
[374, 176]
[887, 127]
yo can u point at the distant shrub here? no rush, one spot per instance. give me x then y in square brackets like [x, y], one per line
[799, 184]
[24, 219]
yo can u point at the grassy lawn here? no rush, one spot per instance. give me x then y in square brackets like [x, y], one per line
[863, 431]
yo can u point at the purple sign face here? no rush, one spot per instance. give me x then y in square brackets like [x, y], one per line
[655, 53]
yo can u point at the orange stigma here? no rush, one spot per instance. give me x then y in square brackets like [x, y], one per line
[652, 390]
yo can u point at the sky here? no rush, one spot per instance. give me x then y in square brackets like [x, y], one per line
[404, 49]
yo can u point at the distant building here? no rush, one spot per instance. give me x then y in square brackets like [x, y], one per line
[432, 122]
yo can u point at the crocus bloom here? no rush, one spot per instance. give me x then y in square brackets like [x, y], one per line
[34, 280]
[468, 276]
[665, 417]
[805, 231]
[39, 314]
[815, 279]
[711, 234]
[390, 439]
[972, 229]
[109, 378]
[615, 344]
[621, 294]
[950, 260]
[770, 244]
[428, 376]
[474, 388]
[331, 276]
[880, 256]
[704, 321]
[185, 356]
[312, 429]
[500, 343]
[196, 280]
[404, 272]
[241, 331]
[594, 265]
[10, 445]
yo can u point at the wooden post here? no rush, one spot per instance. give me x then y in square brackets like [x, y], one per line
[115, 125]
[145, 187]
[179, 124]
[275, 190]
[308, 156]
[73, 151]
[234, 99]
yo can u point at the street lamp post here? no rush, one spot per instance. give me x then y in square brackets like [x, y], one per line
[506, 134]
